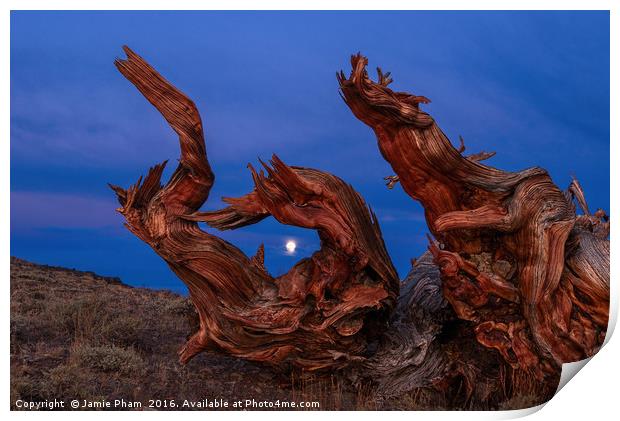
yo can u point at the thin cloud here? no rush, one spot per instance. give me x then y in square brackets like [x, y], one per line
[32, 210]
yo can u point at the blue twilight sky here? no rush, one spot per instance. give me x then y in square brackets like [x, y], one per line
[533, 86]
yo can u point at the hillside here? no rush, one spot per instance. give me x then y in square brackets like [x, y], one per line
[77, 335]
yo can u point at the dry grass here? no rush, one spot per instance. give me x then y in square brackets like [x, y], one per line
[76, 335]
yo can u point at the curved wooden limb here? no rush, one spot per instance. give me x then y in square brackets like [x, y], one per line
[483, 213]
[323, 313]
[243, 211]
[477, 297]
[427, 346]
[198, 343]
[526, 279]
[576, 192]
[481, 156]
[452, 265]
[391, 181]
[190, 184]
[486, 216]
[512, 341]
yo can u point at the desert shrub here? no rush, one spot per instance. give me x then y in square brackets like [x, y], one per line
[57, 318]
[81, 318]
[95, 319]
[68, 381]
[29, 328]
[92, 318]
[108, 358]
[27, 304]
[20, 326]
[26, 388]
[178, 305]
[125, 330]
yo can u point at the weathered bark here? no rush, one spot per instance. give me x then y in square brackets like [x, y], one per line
[517, 285]
[322, 313]
[516, 261]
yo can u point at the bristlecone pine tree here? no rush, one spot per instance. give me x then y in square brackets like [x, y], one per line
[514, 284]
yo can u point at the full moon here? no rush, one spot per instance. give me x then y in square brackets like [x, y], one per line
[291, 246]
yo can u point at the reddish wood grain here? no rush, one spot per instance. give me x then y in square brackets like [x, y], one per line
[323, 312]
[515, 282]
[516, 259]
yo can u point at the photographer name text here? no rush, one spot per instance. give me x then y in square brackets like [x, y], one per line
[163, 404]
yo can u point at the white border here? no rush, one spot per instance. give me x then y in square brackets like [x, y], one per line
[309, 5]
[593, 394]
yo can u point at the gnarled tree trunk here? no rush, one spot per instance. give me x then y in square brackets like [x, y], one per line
[515, 259]
[323, 312]
[516, 284]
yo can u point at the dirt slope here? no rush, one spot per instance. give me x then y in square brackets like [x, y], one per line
[77, 335]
